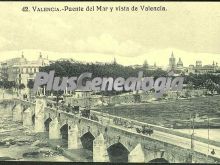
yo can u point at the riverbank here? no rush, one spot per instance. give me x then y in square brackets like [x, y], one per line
[172, 114]
[75, 155]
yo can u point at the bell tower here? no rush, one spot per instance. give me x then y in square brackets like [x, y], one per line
[172, 62]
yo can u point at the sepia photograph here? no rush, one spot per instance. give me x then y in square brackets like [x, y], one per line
[113, 82]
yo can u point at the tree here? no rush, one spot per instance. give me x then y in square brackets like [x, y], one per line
[217, 88]
[210, 85]
[189, 85]
[7, 84]
[30, 86]
[1, 84]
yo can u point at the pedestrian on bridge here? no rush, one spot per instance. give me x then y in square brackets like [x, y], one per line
[213, 152]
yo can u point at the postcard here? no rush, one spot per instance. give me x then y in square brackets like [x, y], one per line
[122, 82]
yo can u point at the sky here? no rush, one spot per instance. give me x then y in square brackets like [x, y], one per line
[191, 30]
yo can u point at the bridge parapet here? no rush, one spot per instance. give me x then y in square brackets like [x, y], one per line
[157, 128]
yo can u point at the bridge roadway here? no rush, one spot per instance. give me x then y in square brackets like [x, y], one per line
[183, 142]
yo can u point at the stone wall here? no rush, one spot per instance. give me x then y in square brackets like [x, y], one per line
[130, 98]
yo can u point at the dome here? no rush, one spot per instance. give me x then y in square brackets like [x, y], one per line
[180, 63]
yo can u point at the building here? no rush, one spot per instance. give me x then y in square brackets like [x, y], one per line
[178, 67]
[198, 64]
[191, 69]
[200, 69]
[79, 94]
[180, 63]
[3, 71]
[146, 66]
[154, 67]
[172, 62]
[20, 70]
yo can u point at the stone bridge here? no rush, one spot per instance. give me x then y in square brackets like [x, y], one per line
[109, 143]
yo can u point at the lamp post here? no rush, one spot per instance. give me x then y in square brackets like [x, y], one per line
[3, 93]
[208, 136]
[192, 117]
[208, 127]
[192, 136]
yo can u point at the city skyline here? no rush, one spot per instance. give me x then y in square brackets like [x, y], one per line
[159, 60]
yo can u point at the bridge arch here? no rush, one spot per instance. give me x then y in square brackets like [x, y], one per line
[64, 134]
[120, 140]
[87, 140]
[47, 124]
[118, 153]
[158, 160]
[64, 131]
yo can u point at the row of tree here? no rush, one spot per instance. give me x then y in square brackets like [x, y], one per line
[70, 69]
[67, 68]
[208, 81]
[12, 84]
[7, 84]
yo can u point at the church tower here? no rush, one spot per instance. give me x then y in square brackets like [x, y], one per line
[172, 62]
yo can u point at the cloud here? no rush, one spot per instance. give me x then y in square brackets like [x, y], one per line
[4, 42]
[107, 44]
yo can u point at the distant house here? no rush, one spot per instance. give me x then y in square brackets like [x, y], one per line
[20, 70]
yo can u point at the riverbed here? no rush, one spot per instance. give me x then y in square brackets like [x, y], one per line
[20, 143]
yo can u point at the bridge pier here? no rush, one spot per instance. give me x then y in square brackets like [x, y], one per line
[73, 141]
[39, 114]
[10, 106]
[54, 129]
[136, 155]
[99, 149]
[17, 114]
[27, 117]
